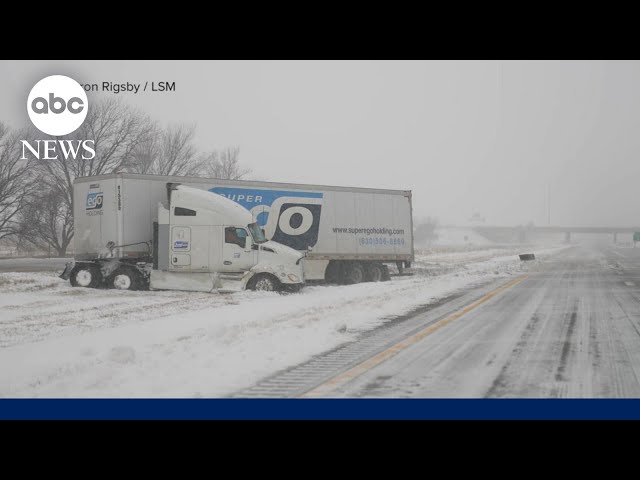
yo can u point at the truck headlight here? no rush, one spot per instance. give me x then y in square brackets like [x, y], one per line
[293, 277]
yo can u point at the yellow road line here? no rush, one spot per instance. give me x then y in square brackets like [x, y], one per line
[339, 380]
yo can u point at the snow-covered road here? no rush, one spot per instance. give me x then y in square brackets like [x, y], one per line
[59, 341]
[571, 329]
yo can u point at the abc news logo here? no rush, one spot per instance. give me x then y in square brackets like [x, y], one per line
[40, 105]
[57, 105]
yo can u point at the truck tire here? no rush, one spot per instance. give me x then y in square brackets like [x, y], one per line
[265, 283]
[87, 276]
[355, 273]
[374, 272]
[125, 278]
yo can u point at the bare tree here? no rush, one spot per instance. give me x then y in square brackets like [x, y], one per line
[117, 130]
[16, 180]
[178, 152]
[125, 140]
[172, 152]
[168, 152]
[425, 231]
[225, 164]
[146, 154]
[47, 221]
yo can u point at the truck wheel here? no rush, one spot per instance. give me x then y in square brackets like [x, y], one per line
[87, 276]
[265, 283]
[355, 273]
[125, 279]
[374, 272]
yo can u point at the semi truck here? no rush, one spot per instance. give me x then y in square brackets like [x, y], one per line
[135, 231]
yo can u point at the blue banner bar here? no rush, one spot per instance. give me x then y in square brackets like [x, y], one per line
[321, 409]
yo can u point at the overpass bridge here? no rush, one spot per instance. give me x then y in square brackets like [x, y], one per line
[522, 232]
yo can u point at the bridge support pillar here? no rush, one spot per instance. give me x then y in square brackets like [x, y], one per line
[567, 237]
[615, 238]
[522, 236]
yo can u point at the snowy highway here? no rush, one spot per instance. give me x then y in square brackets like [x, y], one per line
[470, 323]
[571, 329]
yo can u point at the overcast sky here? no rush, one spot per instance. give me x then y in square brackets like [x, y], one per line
[479, 136]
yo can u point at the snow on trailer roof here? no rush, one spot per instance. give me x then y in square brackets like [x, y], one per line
[255, 183]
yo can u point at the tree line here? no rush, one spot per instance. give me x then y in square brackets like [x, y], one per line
[36, 196]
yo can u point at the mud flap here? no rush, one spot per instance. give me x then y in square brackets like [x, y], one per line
[67, 271]
[386, 276]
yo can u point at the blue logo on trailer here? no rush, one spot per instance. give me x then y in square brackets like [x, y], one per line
[250, 198]
[94, 200]
[298, 221]
[180, 244]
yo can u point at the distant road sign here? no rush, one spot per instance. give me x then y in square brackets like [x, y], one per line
[636, 237]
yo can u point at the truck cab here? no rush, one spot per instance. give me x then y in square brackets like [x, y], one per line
[201, 241]
[206, 242]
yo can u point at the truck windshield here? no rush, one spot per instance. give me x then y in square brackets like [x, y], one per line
[256, 233]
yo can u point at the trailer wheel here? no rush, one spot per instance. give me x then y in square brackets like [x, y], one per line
[125, 279]
[87, 276]
[355, 273]
[265, 283]
[374, 272]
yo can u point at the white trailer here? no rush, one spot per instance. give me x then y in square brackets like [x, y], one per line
[347, 235]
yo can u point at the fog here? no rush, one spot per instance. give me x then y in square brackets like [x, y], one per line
[475, 136]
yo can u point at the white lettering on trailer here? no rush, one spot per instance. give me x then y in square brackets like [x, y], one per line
[285, 220]
[240, 197]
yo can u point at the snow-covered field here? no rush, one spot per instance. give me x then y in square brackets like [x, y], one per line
[59, 341]
[19, 264]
